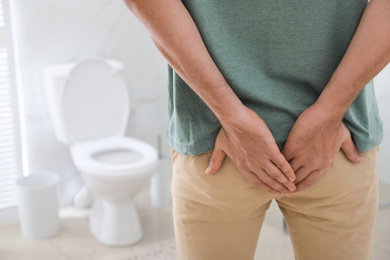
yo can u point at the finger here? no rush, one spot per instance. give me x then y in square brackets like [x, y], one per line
[275, 173]
[295, 165]
[349, 149]
[285, 167]
[286, 152]
[311, 179]
[301, 174]
[265, 177]
[253, 178]
[216, 160]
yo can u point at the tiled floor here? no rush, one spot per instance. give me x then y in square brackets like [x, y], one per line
[74, 242]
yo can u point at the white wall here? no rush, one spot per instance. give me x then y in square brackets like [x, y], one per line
[49, 32]
[382, 88]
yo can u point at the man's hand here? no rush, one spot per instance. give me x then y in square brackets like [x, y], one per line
[319, 132]
[251, 146]
[313, 142]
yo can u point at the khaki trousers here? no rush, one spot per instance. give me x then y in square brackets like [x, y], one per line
[219, 217]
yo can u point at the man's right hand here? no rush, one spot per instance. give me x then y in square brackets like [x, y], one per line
[250, 145]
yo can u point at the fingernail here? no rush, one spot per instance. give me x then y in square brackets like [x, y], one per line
[292, 179]
[288, 194]
[291, 188]
[208, 170]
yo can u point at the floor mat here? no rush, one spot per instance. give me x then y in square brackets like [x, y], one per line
[162, 250]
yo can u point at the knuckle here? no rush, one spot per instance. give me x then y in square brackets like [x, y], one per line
[322, 173]
[251, 165]
[316, 161]
[274, 175]
[280, 165]
[238, 163]
[240, 166]
[287, 170]
[326, 163]
[213, 159]
[276, 186]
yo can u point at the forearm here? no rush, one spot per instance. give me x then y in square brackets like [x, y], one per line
[176, 36]
[367, 55]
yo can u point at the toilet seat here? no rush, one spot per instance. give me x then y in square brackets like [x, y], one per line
[94, 102]
[83, 152]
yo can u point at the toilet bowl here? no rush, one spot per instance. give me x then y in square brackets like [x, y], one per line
[89, 106]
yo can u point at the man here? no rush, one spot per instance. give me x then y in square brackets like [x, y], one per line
[276, 97]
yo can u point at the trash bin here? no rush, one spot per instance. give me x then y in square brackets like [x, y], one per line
[38, 205]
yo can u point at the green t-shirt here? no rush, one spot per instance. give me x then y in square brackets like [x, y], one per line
[277, 56]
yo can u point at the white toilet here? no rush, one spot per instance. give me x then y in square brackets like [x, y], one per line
[89, 107]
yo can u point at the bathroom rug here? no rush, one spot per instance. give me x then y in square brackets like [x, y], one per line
[162, 250]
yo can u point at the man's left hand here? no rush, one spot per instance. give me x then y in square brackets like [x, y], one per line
[313, 142]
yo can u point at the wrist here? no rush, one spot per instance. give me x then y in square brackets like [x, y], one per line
[329, 111]
[331, 108]
[338, 95]
[231, 114]
[336, 98]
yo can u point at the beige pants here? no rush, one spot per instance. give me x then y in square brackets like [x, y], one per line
[219, 217]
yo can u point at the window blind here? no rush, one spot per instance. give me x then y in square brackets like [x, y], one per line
[10, 152]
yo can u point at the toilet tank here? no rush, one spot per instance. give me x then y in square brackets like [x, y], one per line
[84, 104]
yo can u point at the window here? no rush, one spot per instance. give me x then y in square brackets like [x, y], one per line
[10, 147]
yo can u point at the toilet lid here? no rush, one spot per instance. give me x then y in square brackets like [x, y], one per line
[95, 102]
[143, 156]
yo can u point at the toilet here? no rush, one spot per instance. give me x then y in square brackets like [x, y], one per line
[89, 107]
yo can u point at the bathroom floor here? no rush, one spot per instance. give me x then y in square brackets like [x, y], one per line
[74, 242]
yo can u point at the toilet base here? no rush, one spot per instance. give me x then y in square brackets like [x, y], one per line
[115, 224]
